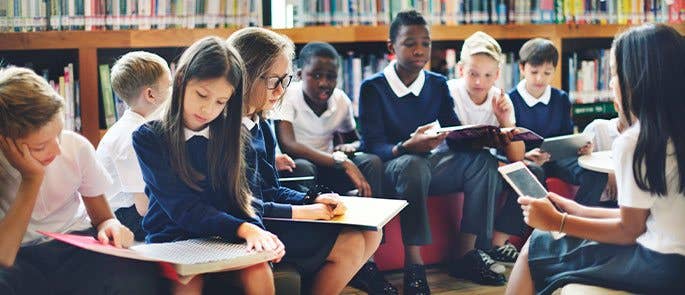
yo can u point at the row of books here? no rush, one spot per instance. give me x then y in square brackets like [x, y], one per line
[68, 88]
[300, 13]
[588, 76]
[42, 15]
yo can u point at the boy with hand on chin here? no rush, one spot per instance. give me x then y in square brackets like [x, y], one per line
[51, 181]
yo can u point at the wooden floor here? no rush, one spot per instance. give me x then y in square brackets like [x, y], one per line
[440, 283]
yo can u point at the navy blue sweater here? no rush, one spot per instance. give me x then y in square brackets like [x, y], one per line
[261, 173]
[176, 211]
[386, 119]
[553, 119]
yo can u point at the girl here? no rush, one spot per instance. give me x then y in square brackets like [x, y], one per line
[639, 247]
[195, 182]
[332, 254]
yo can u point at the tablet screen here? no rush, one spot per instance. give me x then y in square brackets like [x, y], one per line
[526, 183]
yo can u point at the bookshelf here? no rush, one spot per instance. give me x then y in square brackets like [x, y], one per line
[88, 44]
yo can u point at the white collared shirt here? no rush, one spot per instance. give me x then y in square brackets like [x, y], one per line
[312, 130]
[115, 152]
[470, 113]
[529, 99]
[396, 84]
[664, 225]
[249, 123]
[75, 173]
[190, 133]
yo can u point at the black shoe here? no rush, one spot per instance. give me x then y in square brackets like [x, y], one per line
[506, 254]
[370, 280]
[476, 266]
[415, 282]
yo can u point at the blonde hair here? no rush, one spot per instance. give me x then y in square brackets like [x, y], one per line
[134, 71]
[27, 102]
[259, 49]
[481, 43]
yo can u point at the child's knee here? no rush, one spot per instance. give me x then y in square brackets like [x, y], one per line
[257, 271]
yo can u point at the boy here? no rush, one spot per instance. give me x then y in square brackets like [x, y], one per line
[396, 107]
[312, 113]
[47, 177]
[478, 101]
[547, 111]
[143, 82]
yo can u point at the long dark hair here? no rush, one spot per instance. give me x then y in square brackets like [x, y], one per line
[650, 64]
[210, 58]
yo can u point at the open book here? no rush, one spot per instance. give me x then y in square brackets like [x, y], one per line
[465, 132]
[363, 213]
[187, 258]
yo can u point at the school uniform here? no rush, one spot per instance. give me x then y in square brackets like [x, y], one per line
[177, 211]
[115, 152]
[317, 132]
[654, 265]
[307, 244]
[43, 266]
[389, 112]
[510, 218]
[550, 116]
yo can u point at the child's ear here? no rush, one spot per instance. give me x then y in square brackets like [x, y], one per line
[299, 74]
[391, 48]
[150, 95]
[460, 69]
[521, 68]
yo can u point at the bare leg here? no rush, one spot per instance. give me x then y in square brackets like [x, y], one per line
[499, 238]
[194, 287]
[520, 281]
[372, 239]
[257, 279]
[342, 263]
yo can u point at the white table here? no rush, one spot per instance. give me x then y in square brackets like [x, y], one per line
[597, 161]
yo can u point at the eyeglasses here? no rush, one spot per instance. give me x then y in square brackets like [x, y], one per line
[272, 82]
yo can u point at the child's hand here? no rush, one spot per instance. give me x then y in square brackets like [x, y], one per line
[19, 156]
[111, 230]
[420, 142]
[334, 202]
[586, 149]
[567, 205]
[611, 189]
[357, 178]
[502, 107]
[317, 211]
[346, 148]
[284, 162]
[540, 213]
[260, 240]
[538, 156]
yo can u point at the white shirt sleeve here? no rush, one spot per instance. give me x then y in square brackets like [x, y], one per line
[129, 172]
[95, 178]
[347, 124]
[511, 105]
[629, 194]
[286, 110]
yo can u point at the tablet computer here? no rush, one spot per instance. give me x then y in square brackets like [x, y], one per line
[566, 146]
[525, 183]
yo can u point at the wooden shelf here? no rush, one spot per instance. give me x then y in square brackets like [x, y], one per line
[332, 34]
[87, 44]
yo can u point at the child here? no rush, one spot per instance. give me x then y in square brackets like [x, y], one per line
[196, 183]
[143, 81]
[47, 177]
[396, 107]
[547, 111]
[311, 114]
[478, 101]
[639, 247]
[331, 254]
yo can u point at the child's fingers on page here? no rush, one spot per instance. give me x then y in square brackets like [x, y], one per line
[102, 237]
